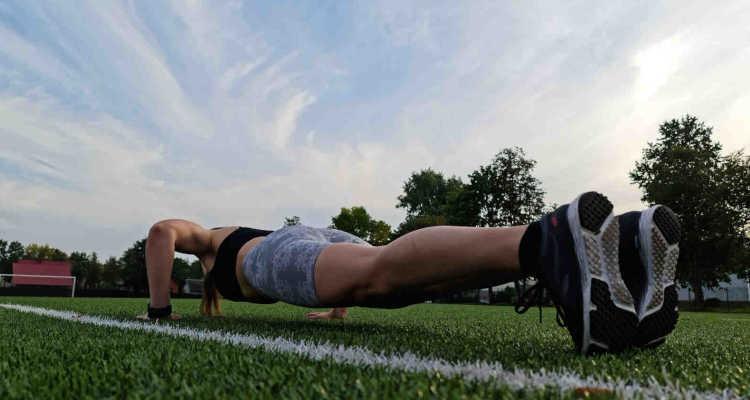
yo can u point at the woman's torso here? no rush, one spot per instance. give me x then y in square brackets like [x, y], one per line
[218, 235]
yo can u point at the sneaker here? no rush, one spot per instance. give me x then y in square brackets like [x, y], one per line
[649, 250]
[578, 267]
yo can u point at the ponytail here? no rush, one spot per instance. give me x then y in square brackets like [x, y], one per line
[210, 305]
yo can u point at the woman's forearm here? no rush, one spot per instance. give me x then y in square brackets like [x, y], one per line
[160, 247]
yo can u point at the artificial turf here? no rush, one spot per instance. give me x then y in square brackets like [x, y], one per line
[709, 352]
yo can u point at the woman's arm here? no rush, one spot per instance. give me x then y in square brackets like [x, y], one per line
[164, 238]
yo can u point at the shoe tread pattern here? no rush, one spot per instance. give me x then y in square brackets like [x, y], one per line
[653, 329]
[665, 236]
[668, 224]
[611, 241]
[610, 325]
[593, 210]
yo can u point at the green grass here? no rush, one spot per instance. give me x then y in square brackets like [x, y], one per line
[733, 308]
[708, 351]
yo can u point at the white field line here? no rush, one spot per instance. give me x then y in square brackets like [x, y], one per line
[360, 356]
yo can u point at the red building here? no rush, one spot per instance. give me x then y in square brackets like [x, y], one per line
[44, 268]
[45, 271]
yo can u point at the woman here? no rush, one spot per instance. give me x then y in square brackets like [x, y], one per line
[572, 252]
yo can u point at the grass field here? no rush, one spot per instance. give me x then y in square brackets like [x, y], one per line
[42, 357]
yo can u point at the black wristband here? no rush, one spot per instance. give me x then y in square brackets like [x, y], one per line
[159, 312]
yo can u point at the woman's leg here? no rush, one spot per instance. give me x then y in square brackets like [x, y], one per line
[422, 263]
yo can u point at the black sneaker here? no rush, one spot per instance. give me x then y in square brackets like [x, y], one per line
[578, 266]
[649, 250]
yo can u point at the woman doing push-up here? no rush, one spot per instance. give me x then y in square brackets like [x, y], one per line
[611, 277]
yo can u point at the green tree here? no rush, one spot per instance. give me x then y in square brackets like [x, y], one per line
[380, 233]
[79, 266]
[505, 191]
[426, 192]
[358, 222]
[412, 223]
[196, 270]
[9, 253]
[180, 271]
[293, 220]
[3, 255]
[461, 206]
[429, 198]
[40, 252]
[684, 169]
[111, 273]
[133, 262]
[737, 169]
[87, 269]
[94, 273]
[743, 257]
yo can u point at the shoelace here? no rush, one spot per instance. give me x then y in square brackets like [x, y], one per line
[535, 296]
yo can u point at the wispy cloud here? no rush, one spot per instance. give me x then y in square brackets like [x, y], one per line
[33, 59]
[116, 114]
[99, 159]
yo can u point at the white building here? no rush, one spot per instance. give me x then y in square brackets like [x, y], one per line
[737, 289]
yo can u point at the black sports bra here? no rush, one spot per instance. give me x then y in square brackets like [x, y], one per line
[224, 272]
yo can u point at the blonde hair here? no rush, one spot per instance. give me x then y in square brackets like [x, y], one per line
[210, 302]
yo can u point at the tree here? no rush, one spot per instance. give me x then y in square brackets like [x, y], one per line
[3, 256]
[380, 233]
[412, 223]
[94, 272]
[743, 258]
[87, 270]
[293, 220]
[461, 206]
[737, 170]
[431, 199]
[505, 191]
[358, 222]
[79, 265]
[180, 271]
[425, 192]
[684, 169]
[196, 270]
[9, 253]
[41, 252]
[133, 262]
[111, 273]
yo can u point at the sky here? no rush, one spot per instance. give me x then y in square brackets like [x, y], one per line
[114, 115]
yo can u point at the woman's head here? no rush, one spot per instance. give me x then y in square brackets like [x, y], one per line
[210, 304]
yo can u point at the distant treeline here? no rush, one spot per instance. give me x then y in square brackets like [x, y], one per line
[683, 169]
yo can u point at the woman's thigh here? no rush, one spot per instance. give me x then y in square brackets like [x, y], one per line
[344, 272]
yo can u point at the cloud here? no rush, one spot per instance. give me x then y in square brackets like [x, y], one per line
[287, 116]
[117, 114]
[98, 161]
[583, 95]
[656, 64]
[28, 55]
[177, 113]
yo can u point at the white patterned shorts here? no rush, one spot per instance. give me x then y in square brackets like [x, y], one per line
[282, 266]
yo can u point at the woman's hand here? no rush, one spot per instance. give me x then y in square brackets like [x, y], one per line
[334, 313]
[172, 317]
